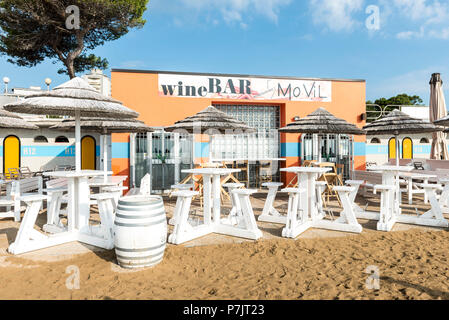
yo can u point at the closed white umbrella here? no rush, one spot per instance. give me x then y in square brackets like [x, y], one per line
[437, 110]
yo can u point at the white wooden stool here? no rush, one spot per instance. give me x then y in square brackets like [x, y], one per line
[347, 221]
[175, 188]
[245, 225]
[269, 213]
[27, 237]
[183, 230]
[359, 212]
[432, 218]
[106, 204]
[182, 187]
[297, 219]
[320, 187]
[54, 202]
[116, 191]
[387, 217]
[236, 210]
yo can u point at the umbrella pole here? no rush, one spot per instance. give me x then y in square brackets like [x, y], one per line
[105, 156]
[397, 150]
[77, 140]
[398, 193]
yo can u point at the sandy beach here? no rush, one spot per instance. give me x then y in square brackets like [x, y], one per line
[412, 263]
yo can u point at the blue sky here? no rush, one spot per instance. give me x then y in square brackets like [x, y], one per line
[304, 38]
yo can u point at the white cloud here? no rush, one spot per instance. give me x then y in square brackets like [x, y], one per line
[433, 17]
[406, 35]
[335, 15]
[234, 10]
[413, 82]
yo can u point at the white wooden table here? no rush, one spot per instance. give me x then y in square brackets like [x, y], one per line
[212, 222]
[78, 215]
[308, 203]
[109, 181]
[409, 177]
[390, 211]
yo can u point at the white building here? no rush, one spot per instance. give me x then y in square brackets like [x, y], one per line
[381, 148]
[99, 81]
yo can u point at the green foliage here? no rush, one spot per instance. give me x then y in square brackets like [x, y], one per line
[401, 99]
[392, 103]
[35, 30]
[87, 62]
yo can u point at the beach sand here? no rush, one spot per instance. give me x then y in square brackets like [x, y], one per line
[412, 264]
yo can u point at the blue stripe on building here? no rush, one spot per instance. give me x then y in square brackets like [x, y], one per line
[383, 149]
[291, 149]
[202, 149]
[360, 149]
[120, 150]
[50, 151]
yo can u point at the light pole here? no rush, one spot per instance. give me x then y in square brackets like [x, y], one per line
[6, 81]
[48, 82]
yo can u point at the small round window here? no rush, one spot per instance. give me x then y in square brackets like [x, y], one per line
[40, 139]
[62, 139]
[424, 140]
[375, 140]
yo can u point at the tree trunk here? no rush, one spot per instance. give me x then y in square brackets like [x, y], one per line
[70, 68]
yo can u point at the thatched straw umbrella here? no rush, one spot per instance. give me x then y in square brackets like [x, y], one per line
[210, 121]
[105, 127]
[74, 98]
[319, 122]
[9, 120]
[438, 112]
[396, 123]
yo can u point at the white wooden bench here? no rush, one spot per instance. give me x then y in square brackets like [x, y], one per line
[9, 200]
[369, 178]
[145, 187]
[22, 188]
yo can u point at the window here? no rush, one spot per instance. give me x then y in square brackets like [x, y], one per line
[261, 145]
[424, 140]
[61, 139]
[375, 140]
[40, 139]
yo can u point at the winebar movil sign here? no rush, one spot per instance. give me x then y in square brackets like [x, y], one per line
[219, 87]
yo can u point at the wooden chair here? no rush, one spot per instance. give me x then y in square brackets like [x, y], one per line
[331, 179]
[264, 174]
[25, 172]
[340, 173]
[14, 173]
[244, 167]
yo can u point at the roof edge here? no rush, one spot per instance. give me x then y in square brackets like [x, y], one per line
[232, 75]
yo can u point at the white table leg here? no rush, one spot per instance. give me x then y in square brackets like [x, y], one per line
[216, 186]
[207, 190]
[410, 190]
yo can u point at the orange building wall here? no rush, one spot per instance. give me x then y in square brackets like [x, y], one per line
[139, 91]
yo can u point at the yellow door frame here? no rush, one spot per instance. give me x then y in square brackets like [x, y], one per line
[390, 149]
[403, 148]
[95, 151]
[4, 152]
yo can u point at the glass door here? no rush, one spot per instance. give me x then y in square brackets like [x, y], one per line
[170, 154]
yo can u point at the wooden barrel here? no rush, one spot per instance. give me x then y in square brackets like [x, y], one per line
[140, 231]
